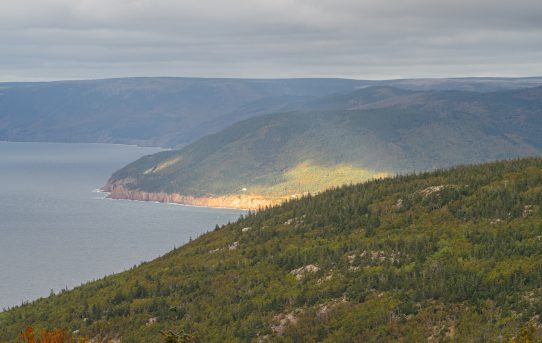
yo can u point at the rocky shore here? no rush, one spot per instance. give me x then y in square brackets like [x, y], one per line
[117, 190]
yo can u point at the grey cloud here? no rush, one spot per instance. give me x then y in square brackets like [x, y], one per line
[58, 39]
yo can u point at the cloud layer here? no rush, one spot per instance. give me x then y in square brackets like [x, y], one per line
[368, 39]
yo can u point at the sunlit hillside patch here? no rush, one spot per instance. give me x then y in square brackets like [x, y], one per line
[309, 177]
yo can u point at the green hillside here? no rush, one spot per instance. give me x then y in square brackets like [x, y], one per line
[451, 255]
[345, 138]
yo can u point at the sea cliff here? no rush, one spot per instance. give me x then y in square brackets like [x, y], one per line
[118, 190]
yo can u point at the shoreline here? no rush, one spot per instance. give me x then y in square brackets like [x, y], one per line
[107, 197]
[241, 202]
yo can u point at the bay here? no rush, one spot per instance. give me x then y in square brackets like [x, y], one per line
[57, 231]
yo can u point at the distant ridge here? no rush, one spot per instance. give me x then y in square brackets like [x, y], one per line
[174, 111]
[164, 112]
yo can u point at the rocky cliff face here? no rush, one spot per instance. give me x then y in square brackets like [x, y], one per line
[118, 190]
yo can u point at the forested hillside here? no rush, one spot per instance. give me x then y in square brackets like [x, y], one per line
[350, 137]
[450, 255]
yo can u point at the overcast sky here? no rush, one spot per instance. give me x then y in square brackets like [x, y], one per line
[364, 39]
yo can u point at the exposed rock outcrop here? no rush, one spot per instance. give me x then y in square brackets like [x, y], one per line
[301, 272]
[283, 320]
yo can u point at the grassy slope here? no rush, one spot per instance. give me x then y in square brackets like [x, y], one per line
[454, 254]
[296, 152]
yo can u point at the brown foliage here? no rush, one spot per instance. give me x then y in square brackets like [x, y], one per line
[45, 336]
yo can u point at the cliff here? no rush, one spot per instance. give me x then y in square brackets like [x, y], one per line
[242, 201]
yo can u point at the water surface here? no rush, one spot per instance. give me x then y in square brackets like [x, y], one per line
[56, 232]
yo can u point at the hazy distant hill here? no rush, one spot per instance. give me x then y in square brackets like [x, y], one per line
[173, 112]
[146, 111]
[451, 255]
[475, 84]
[345, 138]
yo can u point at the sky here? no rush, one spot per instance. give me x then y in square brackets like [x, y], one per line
[362, 39]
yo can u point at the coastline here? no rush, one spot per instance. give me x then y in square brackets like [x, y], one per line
[69, 215]
[232, 202]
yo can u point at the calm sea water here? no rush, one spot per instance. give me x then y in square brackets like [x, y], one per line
[56, 232]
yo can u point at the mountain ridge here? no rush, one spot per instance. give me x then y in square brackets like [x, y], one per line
[163, 112]
[171, 111]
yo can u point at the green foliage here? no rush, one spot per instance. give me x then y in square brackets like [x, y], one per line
[451, 255]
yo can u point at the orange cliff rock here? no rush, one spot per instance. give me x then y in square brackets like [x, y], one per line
[117, 190]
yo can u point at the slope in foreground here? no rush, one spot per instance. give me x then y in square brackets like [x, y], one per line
[447, 255]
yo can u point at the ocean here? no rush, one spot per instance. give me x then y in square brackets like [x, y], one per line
[58, 231]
